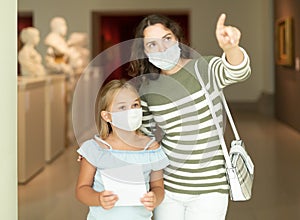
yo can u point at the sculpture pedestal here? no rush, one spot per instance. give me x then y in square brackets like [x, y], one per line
[31, 127]
[55, 116]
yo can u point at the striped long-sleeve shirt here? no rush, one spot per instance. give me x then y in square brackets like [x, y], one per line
[176, 104]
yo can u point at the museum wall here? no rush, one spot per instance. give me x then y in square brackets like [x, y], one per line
[287, 83]
[8, 112]
[254, 18]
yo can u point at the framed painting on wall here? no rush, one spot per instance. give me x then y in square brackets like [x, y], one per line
[284, 41]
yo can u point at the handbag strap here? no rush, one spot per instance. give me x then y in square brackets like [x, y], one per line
[214, 116]
[229, 116]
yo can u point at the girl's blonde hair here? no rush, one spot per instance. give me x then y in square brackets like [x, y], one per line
[104, 100]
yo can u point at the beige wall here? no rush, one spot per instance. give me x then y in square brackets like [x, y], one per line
[254, 18]
[287, 80]
[8, 97]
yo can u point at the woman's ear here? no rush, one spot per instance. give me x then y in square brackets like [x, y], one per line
[106, 116]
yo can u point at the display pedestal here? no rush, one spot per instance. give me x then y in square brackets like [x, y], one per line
[71, 82]
[55, 116]
[31, 127]
[84, 103]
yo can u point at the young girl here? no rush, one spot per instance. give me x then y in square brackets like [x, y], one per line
[118, 145]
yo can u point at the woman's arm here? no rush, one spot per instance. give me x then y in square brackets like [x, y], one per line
[156, 194]
[86, 194]
[234, 66]
[228, 38]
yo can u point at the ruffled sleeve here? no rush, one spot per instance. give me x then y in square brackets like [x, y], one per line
[158, 159]
[89, 151]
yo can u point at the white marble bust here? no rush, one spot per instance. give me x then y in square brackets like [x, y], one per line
[79, 54]
[29, 58]
[58, 52]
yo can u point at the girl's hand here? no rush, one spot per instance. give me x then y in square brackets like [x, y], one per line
[149, 201]
[107, 199]
[228, 37]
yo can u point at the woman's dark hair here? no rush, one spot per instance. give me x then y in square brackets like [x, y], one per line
[139, 62]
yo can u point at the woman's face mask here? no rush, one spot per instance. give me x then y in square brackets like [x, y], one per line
[167, 59]
[129, 120]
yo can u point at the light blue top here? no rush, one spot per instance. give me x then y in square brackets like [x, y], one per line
[101, 158]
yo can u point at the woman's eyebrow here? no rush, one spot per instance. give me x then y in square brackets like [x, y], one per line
[166, 35]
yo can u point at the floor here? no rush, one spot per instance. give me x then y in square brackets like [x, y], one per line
[275, 150]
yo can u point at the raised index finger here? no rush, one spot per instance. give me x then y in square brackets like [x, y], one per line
[221, 21]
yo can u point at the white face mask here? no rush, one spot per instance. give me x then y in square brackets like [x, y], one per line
[128, 120]
[167, 59]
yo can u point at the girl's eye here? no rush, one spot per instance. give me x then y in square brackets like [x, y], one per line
[122, 108]
[136, 105]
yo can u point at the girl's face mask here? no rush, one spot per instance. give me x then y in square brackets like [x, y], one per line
[167, 59]
[129, 120]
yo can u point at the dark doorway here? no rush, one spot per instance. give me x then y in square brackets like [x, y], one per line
[24, 21]
[112, 28]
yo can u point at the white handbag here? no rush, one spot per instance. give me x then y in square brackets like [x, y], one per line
[239, 166]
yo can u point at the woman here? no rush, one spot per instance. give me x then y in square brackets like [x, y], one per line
[173, 100]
